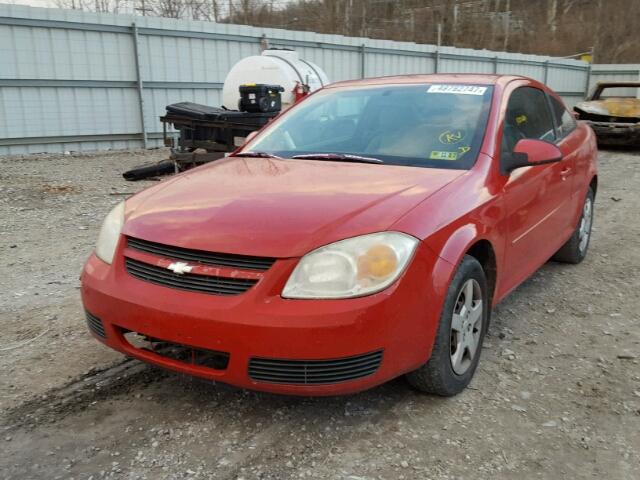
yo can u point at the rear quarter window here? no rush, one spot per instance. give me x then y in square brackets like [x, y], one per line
[565, 123]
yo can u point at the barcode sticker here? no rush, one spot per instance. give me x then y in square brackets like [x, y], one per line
[457, 89]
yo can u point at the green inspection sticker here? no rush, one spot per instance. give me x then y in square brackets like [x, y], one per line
[438, 155]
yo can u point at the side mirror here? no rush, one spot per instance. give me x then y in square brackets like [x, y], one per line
[529, 152]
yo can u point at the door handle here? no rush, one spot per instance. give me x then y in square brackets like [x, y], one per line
[565, 171]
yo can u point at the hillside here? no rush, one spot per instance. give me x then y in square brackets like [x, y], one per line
[551, 27]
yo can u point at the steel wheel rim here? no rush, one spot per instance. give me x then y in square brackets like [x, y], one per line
[466, 327]
[585, 225]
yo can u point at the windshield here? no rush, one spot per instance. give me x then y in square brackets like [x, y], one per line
[425, 125]
[619, 92]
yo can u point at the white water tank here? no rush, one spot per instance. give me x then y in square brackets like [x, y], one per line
[273, 67]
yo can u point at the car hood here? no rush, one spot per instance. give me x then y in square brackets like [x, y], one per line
[614, 107]
[278, 208]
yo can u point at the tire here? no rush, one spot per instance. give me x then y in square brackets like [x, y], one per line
[451, 367]
[576, 247]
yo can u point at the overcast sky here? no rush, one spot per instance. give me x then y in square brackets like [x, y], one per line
[33, 3]
[125, 7]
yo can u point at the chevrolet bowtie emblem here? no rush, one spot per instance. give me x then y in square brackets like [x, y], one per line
[180, 267]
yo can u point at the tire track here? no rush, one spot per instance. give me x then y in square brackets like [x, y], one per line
[79, 393]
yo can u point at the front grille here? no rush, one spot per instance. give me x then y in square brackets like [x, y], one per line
[314, 372]
[95, 325]
[182, 353]
[200, 256]
[188, 281]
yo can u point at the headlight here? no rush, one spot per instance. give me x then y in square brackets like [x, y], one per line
[109, 233]
[351, 268]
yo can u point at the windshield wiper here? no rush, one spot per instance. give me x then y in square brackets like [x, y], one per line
[256, 155]
[338, 157]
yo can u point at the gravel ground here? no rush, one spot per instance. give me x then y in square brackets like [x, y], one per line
[557, 393]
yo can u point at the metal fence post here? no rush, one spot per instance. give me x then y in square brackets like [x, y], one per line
[546, 72]
[363, 64]
[264, 42]
[588, 81]
[495, 64]
[136, 48]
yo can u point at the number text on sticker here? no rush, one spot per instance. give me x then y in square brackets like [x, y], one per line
[458, 89]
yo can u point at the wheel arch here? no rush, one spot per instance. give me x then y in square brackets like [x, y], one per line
[473, 240]
[483, 251]
[594, 185]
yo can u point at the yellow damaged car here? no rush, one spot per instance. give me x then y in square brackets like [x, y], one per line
[613, 111]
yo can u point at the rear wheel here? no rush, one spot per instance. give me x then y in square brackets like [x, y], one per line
[463, 324]
[576, 247]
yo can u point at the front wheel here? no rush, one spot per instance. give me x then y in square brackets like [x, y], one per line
[463, 324]
[576, 247]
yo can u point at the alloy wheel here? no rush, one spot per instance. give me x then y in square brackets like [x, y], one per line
[466, 326]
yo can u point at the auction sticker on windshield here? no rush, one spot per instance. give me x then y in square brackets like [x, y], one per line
[438, 155]
[458, 89]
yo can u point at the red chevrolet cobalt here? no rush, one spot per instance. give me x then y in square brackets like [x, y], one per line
[364, 234]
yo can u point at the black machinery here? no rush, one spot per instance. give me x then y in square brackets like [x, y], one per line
[208, 133]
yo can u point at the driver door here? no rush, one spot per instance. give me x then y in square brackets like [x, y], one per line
[537, 198]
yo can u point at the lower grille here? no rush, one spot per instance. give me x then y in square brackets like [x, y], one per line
[177, 351]
[188, 281]
[95, 325]
[314, 372]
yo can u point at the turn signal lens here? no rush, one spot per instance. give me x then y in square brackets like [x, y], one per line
[378, 262]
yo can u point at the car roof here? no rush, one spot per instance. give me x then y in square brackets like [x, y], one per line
[465, 78]
[618, 84]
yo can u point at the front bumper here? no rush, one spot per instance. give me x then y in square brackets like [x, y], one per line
[614, 133]
[400, 322]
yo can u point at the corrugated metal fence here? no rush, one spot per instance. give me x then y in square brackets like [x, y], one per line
[72, 80]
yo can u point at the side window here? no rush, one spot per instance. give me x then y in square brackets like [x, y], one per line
[565, 123]
[527, 116]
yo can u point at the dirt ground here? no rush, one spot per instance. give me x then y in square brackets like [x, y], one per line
[557, 393]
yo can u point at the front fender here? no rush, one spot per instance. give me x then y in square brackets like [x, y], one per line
[450, 252]
[451, 245]
[453, 219]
